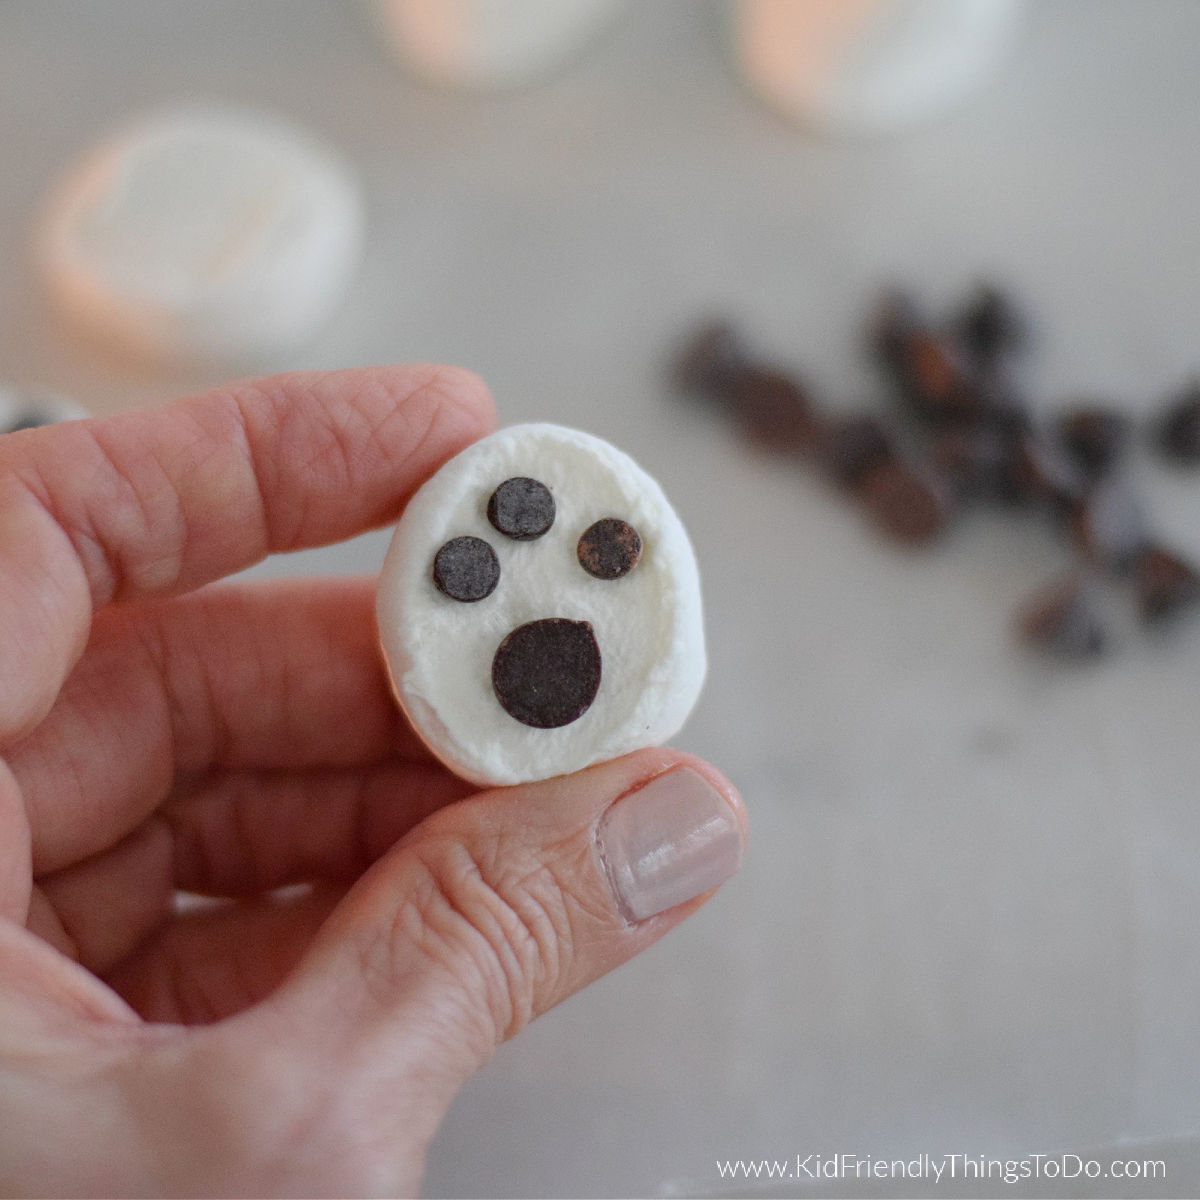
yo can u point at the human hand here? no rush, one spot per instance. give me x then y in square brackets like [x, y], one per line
[162, 732]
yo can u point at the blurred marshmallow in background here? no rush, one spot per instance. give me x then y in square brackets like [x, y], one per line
[201, 234]
[492, 43]
[871, 67]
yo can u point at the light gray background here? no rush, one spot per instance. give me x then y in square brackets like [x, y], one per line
[967, 922]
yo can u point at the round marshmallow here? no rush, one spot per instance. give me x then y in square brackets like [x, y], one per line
[203, 234]
[29, 407]
[871, 66]
[491, 43]
[539, 608]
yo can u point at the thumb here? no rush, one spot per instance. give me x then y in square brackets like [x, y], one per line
[496, 908]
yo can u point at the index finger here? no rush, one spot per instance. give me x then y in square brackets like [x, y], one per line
[168, 499]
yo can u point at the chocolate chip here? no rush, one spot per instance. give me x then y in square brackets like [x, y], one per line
[990, 327]
[1094, 437]
[895, 320]
[1177, 434]
[853, 446]
[975, 462]
[772, 409]
[521, 508]
[1164, 584]
[1042, 472]
[711, 360]
[933, 379]
[905, 503]
[929, 371]
[1062, 620]
[610, 548]
[466, 569]
[546, 673]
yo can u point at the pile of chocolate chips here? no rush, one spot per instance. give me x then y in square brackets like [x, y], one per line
[960, 432]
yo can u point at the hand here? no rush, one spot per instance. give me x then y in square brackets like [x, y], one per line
[160, 733]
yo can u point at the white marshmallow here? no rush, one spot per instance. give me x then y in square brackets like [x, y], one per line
[647, 624]
[203, 233]
[27, 407]
[871, 66]
[491, 43]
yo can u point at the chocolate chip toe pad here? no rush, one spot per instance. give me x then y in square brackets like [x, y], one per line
[466, 569]
[509, 688]
[609, 549]
[521, 508]
[546, 673]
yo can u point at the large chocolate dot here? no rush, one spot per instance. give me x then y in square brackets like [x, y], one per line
[521, 508]
[546, 673]
[609, 549]
[466, 569]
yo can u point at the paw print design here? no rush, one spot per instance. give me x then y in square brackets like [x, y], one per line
[539, 608]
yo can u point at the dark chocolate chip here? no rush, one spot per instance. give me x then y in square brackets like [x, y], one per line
[1164, 584]
[936, 381]
[1109, 526]
[991, 327]
[895, 319]
[772, 409]
[974, 462]
[1062, 620]
[546, 673]
[1043, 473]
[1177, 433]
[1094, 436]
[610, 548]
[905, 503]
[711, 361]
[521, 508]
[1001, 409]
[853, 446]
[466, 568]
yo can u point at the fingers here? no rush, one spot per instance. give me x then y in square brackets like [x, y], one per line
[250, 832]
[266, 675]
[15, 854]
[99, 910]
[209, 964]
[496, 908]
[165, 500]
[238, 835]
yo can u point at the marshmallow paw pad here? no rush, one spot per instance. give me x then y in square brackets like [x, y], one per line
[539, 608]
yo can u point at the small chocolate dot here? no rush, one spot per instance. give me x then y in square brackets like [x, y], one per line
[466, 569]
[905, 503]
[1177, 434]
[1094, 436]
[546, 673]
[1062, 621]
[521, 508]
[772, 409]
[991, 326]
[853, 446]
[610, 548]
[711, 362]
[1164, 584]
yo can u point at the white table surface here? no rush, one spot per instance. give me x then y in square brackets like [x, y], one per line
[968, 919]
